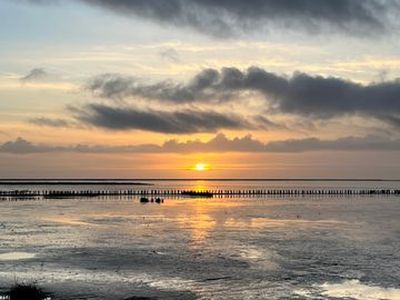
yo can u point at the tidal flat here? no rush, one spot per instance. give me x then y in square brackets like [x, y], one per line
[326, 247]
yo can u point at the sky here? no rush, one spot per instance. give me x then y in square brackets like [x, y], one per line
[150, 89]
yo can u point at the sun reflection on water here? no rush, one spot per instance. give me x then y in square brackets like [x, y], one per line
[200, 186]
[203, 216]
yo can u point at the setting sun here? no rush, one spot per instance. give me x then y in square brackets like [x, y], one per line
[201, 167]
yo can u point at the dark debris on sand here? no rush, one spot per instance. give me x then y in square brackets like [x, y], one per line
[26, 292]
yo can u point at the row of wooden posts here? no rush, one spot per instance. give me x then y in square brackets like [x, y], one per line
[194, 193]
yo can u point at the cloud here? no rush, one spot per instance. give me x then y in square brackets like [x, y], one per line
[226, 18]
[219, 144]
[229, 18]
[42, 121]
[209, 85]
[178, 122]
[170, 54]
[200, 87]
[301, 94]
[370, 142]
[22, 146]
[34, 75]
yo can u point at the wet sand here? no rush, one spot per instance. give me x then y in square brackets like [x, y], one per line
[238, 248]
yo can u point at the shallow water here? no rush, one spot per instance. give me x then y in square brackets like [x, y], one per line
[223, 248]
[16, 256]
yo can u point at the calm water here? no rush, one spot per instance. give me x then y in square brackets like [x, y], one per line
[205, 184]
[227, 248]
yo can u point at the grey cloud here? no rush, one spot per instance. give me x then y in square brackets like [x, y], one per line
[178, 122]
[207, 85]
[145, 148]
[228, 18]
[22, 146]
[34, 75]
[170, 54]
[220, 143]
[301, 94]
[201, 87]
[393, 120]
[329, 97]
[42, 121]
[224, 18]
[369, 142]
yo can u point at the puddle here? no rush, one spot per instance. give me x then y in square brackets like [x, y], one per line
[356, 290]
[352, 289]
[16, 256]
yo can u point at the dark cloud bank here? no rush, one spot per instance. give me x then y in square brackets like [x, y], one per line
[178, 121]
[226, 18]
[220, 143]
[301, 94]
[182, 121]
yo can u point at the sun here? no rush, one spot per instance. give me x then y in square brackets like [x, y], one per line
[200, 167]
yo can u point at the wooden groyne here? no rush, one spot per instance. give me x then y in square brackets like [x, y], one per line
[193, 193]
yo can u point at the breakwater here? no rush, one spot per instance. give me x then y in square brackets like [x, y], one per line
[193, 193]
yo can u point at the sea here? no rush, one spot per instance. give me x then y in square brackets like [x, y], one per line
[225, 247]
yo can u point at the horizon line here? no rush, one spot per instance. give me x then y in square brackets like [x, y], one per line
[187, 179]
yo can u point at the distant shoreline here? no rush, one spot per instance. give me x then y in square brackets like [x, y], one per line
[72, 182]
[145, 181]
